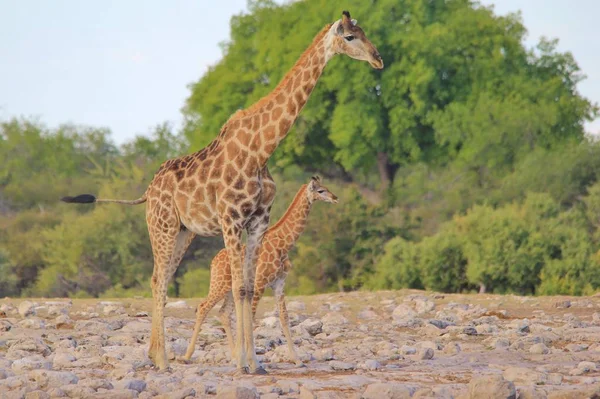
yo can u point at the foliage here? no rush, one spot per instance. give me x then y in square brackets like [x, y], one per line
[195, 283]
[458, 85]
[397, 268]
[479, 142]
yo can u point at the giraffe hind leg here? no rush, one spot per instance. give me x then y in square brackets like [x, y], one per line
[256, 229]
[285, 322]
[225, 314]
[232, 235]
[166, 262]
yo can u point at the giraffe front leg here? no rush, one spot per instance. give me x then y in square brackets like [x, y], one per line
[285, 322]
[256, 230]
[203, 309]
[220, 285]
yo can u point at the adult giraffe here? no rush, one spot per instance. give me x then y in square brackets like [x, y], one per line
[226, 187]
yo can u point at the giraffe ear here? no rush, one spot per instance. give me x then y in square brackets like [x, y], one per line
[353, 22]
[345, 23]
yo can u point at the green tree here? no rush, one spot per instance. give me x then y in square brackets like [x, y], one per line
[458, 84]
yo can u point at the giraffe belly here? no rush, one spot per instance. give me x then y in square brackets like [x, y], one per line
[202, 226]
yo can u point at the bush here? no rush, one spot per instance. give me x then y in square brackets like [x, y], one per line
[398, 267]
[443, 263]
[195, 283]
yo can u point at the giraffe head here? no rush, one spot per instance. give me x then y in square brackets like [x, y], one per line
[317, 192]
[351, 40]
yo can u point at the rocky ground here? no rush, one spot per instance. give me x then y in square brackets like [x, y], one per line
[371, 345]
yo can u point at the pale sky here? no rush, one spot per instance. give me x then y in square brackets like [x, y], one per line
[126, 65]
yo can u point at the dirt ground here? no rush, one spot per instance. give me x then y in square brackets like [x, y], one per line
[389, 344]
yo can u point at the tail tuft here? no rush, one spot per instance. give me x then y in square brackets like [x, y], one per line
[79, 199]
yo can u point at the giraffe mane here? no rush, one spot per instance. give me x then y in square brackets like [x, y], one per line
[287, 77]
[290, 208]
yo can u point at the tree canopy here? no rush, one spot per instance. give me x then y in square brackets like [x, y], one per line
[458, 85]
[462, 166]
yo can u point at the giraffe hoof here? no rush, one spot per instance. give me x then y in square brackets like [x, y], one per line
[260, 371]
[165, 369]
[241, 371]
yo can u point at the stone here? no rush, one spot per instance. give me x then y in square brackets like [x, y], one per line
[524, 376]
[53, 379]
[295, 306]
[62, 360]
[177, 394]
[116, 394]
[287, 386]
[236, 392]
[441, 324]
[469, 330]
[32, 323]
[324, 354]
[57, 393]
[367, 314]
[135, 385]
[305, 394]
[554, 379]
[587, 366]
[408, 350]
[423, 305]
[339, 365]
[452, 348]
[63, 322]
[177, 305]
[8, 309]
[270, 322]
[522, 326]
[425, 353]
[96, 383]
[576, 347]
[562, 304]
[403, 312]
[58, 308]
[501, 343]
[371, 365]
[27, 308]
[486, 328]
[386, 391]
[531, 393]
[112, 308]
[312, 326]
[491, 387]
[78, 391]
[539, 349]
[35, 362]
[334, 318]
[37, 395]
[5, 325]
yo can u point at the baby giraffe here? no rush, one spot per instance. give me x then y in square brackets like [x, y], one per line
[272, 268]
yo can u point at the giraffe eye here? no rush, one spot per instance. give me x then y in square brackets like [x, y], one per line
[321, 191]
[349, 38]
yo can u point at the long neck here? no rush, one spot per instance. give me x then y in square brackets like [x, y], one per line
[293, 222]
[274, 115]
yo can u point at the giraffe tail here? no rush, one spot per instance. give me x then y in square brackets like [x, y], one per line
[88, 199]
